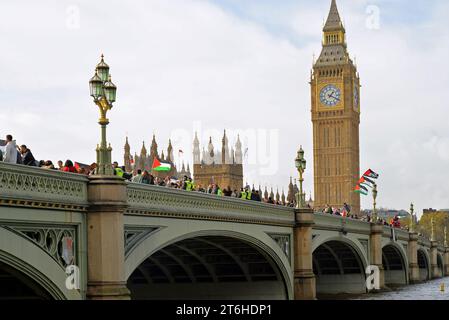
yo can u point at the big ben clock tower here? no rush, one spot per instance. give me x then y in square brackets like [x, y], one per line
[335, 91]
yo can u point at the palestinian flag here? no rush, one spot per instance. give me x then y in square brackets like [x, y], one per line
[371, 174]
[161, 166]
[361, 190]
[366, 182]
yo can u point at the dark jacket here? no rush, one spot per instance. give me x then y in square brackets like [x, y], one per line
[28, 159]
[19, 158]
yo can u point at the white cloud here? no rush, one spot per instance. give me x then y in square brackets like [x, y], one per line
[179, 61]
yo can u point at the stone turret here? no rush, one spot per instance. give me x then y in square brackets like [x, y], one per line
[196, 150]
[291, 192]
[143, 156]
[238, 151]
[210, 155]
[170, 156]
[295, 188]
[153, 151]
[127, 157]
[225, 157]
[216, 165]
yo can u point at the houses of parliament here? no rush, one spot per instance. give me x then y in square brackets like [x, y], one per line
[335, 112]
[223, 166]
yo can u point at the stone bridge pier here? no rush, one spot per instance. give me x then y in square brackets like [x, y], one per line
[304, 281]
[105, 241]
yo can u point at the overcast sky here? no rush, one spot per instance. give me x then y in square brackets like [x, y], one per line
[244, 65]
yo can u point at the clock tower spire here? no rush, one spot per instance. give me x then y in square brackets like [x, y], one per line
[336, 118]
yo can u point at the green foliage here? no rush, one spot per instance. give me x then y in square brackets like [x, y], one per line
[405, 222]
[425, 226]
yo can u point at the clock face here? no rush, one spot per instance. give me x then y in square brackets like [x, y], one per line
[356, 96]
[330, 95]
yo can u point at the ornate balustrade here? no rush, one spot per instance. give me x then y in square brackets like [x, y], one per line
[337, 223]
[400, 234]
[36, 187]
[161, 201]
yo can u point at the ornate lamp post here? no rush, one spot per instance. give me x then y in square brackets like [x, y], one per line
[432, 235]
[445, 237]
[412, 219]
[104, 93]
[374, 216]
[300, 164]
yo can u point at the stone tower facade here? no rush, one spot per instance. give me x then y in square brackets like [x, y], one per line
[335, 90]
[224, 167]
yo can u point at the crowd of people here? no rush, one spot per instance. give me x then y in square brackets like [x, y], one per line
[394, 222]
[187, 184]
[345, 211]
[16, 154]
[22, 155]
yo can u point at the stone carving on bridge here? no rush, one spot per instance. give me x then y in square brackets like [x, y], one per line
[51, 240]
[47, 189]
[283, 240]
[134, 235]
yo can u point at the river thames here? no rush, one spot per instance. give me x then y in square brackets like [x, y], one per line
[430, 290]
[426, 291]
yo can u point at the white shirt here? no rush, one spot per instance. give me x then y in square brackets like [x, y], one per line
[11, 153]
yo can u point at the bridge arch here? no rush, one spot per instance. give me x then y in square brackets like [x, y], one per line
[424, 265]
[394, 260]
[205, 264]
[339, 266]
[24, 265]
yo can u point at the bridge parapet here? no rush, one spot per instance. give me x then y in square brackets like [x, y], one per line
[424, 242]
[336, 223]
[28, 186]
[400, 234]
[160, 201]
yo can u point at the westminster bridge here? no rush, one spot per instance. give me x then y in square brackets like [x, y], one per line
[147, 242]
